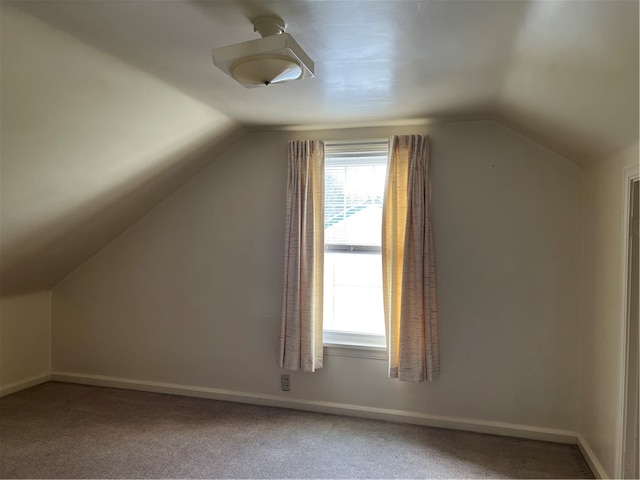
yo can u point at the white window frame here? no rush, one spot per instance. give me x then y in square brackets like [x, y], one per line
[352, 344]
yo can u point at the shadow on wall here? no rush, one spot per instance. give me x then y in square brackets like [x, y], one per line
[41, 258]
[90, 144]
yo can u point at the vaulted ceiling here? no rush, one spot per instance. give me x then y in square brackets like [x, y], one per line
[108, 106]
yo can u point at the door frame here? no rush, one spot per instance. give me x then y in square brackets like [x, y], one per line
[631, 175]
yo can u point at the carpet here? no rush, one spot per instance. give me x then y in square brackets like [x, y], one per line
[59, 430]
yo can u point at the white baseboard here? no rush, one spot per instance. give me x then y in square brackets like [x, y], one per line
[591, 458]
[401, 416]
[24, 384]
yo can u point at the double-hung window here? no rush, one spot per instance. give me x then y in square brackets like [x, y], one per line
[355, 174]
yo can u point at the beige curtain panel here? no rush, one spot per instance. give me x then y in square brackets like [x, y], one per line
[301, 335]
[408, 263]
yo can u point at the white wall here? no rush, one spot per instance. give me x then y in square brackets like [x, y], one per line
[191, 294]
[25, 340]
[89, 144]
[601, 361]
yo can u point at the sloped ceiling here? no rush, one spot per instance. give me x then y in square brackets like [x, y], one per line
[108, 106]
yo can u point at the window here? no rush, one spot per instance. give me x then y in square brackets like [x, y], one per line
[355, 176]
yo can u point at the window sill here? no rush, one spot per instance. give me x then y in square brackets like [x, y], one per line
[357, 351]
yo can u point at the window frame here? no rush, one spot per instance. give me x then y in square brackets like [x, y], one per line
[341, 343]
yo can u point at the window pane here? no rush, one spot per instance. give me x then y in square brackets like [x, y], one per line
[354, 185]
[353, 293]
[353, 203]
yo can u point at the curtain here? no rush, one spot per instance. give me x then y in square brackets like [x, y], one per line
[301, 334]
[408, 263]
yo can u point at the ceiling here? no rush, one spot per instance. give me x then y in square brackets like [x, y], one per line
[87, 86]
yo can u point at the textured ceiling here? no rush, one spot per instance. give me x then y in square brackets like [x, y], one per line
[108, 105]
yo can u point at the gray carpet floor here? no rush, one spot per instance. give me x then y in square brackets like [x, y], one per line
[59, 430]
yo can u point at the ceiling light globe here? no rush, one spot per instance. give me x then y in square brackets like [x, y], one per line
[265, 70]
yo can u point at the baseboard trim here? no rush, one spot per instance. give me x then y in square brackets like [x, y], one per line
[591, 458]
[23, 385]
[401, 416]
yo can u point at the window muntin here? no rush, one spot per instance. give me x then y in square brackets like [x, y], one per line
[355, 175]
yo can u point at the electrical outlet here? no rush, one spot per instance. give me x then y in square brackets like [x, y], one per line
[285, 383]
